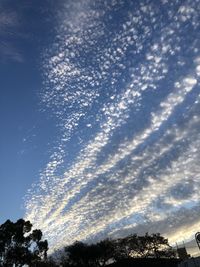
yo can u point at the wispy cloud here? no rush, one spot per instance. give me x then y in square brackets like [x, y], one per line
[9, 23]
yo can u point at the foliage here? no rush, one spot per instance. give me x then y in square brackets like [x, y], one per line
[148, 246]
[49, 262]
[18, 246]
[107, 251]
[81, 254]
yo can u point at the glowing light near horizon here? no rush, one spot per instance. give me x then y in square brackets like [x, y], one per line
[142, 181]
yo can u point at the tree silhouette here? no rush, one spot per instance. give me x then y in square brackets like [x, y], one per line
[81, 254]
[19, 246]
[147, 246]
[106, 251]
[152, 246]
[76, 255]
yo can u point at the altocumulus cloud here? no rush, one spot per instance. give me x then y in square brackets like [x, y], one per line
[122, 79]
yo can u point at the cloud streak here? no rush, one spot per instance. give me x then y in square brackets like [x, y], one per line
[9, 24]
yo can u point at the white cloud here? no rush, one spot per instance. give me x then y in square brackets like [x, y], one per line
[134, 184]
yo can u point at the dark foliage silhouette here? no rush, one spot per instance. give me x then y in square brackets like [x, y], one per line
[108, 251]
[146, 262]
[80, 254]
[147, 246]
[19, 246]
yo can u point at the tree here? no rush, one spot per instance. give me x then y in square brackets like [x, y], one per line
[19, 246]
[50, 262]
[81, 254]
[107, 251]
[154, 246]
[75, 255]
[147, 246]
[124, 247]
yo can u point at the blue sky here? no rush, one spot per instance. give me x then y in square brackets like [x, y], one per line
[100, 117]
[24, 143]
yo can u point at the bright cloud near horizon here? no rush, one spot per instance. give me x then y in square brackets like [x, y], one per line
[121, 80]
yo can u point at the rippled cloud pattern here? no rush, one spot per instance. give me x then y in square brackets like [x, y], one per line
[122, 78]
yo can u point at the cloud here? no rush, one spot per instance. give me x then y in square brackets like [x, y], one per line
[135, 82]
[7, 20]
[9, 53]
[9, 25]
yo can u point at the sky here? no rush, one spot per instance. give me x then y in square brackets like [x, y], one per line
[100, 122]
